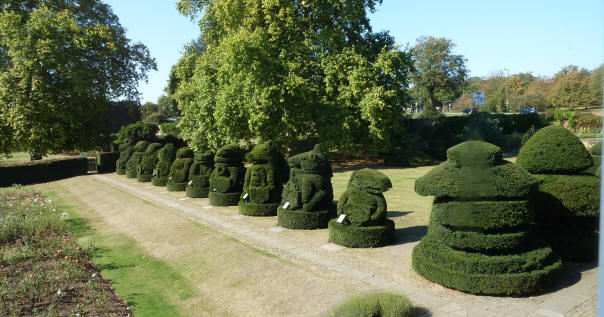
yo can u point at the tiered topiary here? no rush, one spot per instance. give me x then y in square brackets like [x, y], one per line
[365, 224]
[179, 171]
[148, 162]
[199, 175]
[264, 180]
[478, 238]
[135, 158]
[126, 150]
[165, 157]
[226, 181]
[308, 195]
[568, 201]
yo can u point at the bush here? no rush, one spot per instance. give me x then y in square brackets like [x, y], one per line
[126, 151]
[140, 131]
[308, 192]
[573, 196]
[226, 181]
[596, 149]
[32, 172]
[178, 177]
[170, 128]
[381, 304]
[408, 158]
[554, 150]
[482, 215]
[361, 237]
[483, 126]
[165, 157]
[106, 162]
[135, 159]
[147, 163]
[199, 175]
[520, 123]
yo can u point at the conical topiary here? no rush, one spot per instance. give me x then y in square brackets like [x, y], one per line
[363, 208]
[307, 200]
[478, 238]
[179, 171]
[148, 162]
[226, 181]
[135, 158]
[264, 180]
[568, 200]
[199, 175]
[165, 157]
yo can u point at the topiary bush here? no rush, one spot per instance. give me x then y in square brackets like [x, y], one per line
[179, 171]
[126, 150]
[568, 201]
[554, 150]
[478, 238]
[165, 157]
[382, 304]
[264, 180]
[135, 158]
[307, 200]
[199, 175]
[596, 149]
[365, 224]
[106, 162]
[148, 162]
[226, 181]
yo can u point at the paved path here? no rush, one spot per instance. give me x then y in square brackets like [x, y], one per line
[576, 297]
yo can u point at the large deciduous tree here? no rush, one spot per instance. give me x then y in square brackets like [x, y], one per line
[62, 62]
[439, 74]
[282, 69]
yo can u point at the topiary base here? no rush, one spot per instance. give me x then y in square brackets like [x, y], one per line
[298, 219]
[223, 200]
[197, 192]
[257, 210]
[159, 181]
[361, 237]
[144, 178]
[130, 174]
[176, 187]
[481, 283]
[120, 171]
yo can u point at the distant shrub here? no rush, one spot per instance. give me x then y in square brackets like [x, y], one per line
[170, 128]
[586, 122]
[408, 158]
[383, 304]
[140, 131]
[483, 126]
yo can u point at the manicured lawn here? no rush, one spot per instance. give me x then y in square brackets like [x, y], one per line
[23, 157]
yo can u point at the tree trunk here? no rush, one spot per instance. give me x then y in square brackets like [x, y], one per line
[432, 103]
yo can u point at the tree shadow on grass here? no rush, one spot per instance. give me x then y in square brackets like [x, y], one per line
[395, 214]
[409, 234]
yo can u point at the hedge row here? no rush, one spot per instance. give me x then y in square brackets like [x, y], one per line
[42, 171]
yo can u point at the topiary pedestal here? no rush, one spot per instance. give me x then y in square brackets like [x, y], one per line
[257, 210]
[361, 237]
[197, 192]
[223, 200]
[302, 220]
[159, 181]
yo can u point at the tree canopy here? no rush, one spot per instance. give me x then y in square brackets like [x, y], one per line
[63, 61]
[283, 70]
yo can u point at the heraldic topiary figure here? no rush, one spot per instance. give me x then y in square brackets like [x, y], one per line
[128, 136]
[148, 161]
[126, 150]
[264, 181]
[135, 158]
[307, 201]
[199, 175]
[226, 181]
[362, 209]
[568, 201]
[165, 157]
[179, 171]
[478, 238]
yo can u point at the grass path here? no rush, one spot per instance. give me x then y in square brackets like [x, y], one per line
[164, 264]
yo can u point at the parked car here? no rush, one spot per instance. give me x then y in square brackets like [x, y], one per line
[469, 110]
[527, 110]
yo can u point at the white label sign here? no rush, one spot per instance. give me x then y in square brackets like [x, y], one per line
[286, 205]
[170, 178]
[246, 196]
[214, 189]
[154, 173]
[190, 182]
[341, 218]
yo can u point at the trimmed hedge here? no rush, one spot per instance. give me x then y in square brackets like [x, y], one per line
[32, 172]
[596, 149]
[148, 162]
[199, 175]
[480, 242]
[226, 181]
[106, 162]
[554, 150]
[573, 196]
[178, 178]
[223, 199]
[126, 151]
[482, 215]
[302, 220]
[383, 304]
[135, 158]
[361, 237]
[165, 157]
[264, 181]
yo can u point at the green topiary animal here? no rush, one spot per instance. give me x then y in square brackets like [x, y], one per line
[199, 175]
[165, 157]
[226, 181]
[478, 239]
[264, 180]
[148, 162]
[364, 206]
[135, 159]
[178, 178]
[307, 200]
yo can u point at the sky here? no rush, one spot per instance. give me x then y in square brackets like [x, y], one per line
[533, 36]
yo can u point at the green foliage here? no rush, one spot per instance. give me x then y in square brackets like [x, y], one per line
[596, 149]
[483, 126]
[565, 198]
[475, 154]
[178, 177]
[199, 175]
[140, 131]
[26, 173]
[135, 158]
[488, 243]
[554, 150]
[482, 215]
[165, 157]
[170, 128]
[126, 151]
[408, 158]
[361, 237]
[382, 304]
[226, 181]
[300, 219]
[106, 162]
[148, 163]
[53, 93]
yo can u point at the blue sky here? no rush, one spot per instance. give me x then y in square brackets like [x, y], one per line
[524, 36]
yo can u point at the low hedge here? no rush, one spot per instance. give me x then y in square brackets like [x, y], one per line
[383, 304]
[32, 172]
[299, 219]
[223, 200]
[361, 237]
[596, 149]
[485, 284]
[480, 242]
[106, 162]
[482, 215]
[257, 210]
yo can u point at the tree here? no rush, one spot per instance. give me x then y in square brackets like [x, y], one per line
[64, 60]
[283, 70]
[168, 106]
[596, 80]
[439, 74]
[571, 88]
